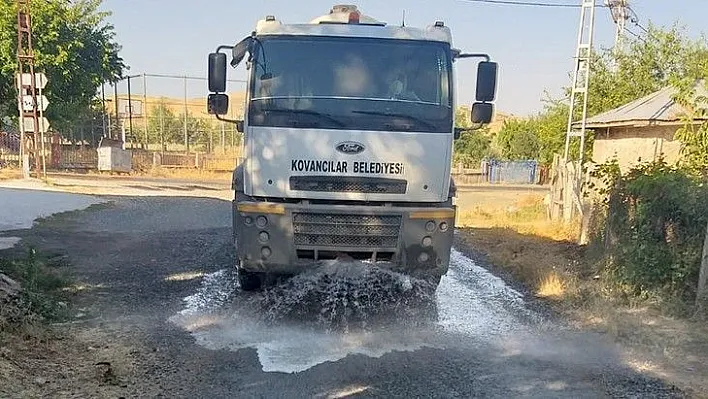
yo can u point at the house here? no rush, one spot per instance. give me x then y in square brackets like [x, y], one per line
[642, 130]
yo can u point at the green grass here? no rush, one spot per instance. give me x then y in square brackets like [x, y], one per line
[41, 298]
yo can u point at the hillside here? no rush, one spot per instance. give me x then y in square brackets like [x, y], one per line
[197, 107]
[498, 121]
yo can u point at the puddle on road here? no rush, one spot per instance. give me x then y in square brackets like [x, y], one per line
[8, 242]
[470, 302]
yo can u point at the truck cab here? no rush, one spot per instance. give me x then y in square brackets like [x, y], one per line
[348, 134]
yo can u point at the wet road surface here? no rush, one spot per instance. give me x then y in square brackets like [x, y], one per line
[163, 289]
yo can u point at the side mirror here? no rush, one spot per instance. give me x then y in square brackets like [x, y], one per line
[217, 72]
[218, 104]
[457, 133]
[482, 112]
[239, 126]
[486, 81]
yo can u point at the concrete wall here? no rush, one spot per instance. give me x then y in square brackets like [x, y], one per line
[630, 144]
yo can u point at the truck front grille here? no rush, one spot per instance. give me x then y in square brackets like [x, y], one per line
[348, 184]
[346, 231]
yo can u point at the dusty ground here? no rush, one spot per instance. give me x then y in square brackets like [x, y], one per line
[141, 261]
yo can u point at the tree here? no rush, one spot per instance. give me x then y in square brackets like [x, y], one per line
[73, 46]
[551, 126]
[694, 136]
[163, 125]
[518, 139]
[473, 145]
[649, 63]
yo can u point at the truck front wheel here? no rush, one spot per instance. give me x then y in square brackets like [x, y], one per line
[249, 281]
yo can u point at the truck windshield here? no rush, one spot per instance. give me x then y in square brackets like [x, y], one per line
[351, 83]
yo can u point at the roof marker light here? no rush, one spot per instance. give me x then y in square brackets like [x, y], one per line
[354, 17]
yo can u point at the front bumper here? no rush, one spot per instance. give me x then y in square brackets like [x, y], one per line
[286, 238]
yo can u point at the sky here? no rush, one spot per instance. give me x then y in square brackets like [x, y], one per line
[534, 46]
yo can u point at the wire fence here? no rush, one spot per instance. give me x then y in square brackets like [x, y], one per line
[168, 113]
[161, 119]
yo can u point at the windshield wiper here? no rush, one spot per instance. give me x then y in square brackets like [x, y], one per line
[307, 112]
[395, 115]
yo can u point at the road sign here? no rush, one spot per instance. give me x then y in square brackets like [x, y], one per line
[29, 124]
[42, 101]
[40, 80]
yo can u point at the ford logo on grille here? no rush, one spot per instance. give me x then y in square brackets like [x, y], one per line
[350, 147]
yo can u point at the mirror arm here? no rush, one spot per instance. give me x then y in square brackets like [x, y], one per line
[224, 47]
[473, 55]
[226, 119]
[471, 128]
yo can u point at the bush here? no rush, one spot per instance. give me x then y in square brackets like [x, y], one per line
[655, 225]
[41, 285]
[472, 147]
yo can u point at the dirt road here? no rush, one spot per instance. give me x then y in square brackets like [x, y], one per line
[158, 306]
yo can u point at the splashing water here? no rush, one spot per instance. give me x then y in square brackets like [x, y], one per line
[349, 307]
[341, 295]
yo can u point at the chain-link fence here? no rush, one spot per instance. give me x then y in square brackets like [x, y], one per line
[163, 120]
[9, 147]
[169, 113]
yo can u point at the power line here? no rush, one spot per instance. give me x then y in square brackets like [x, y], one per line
[529, 3]
[634, 34]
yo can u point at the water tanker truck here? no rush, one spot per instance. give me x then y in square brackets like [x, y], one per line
[348, 130]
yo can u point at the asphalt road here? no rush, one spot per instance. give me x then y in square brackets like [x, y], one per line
[160, 297]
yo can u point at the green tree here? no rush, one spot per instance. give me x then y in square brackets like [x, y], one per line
[201, 132]
[73, 46]
[551, 125]
[518, 139]
[164, 126]
[650, 63]
[473, 145]
[694, 132]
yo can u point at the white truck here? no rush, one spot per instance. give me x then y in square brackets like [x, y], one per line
[348, 133]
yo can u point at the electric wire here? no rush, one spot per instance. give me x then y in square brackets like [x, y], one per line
[530, 3]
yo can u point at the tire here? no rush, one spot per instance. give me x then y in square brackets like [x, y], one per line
[249, 281]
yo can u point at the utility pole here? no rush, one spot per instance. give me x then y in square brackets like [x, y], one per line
[621, 12]
[579, 102]
[26, 89]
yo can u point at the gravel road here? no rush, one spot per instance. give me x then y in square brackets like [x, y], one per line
[163, 307]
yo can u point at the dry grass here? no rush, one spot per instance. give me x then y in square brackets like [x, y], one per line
[173, 173]
[188, 174]
[10, 173]
[552, 286]
[526, 216]
[545, 257]
[521, 238]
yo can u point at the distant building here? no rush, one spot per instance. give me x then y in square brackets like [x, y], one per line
[642, 130]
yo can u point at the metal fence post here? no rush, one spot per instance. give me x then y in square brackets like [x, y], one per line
[103, 109]
[186, 134]
[145, 112]
[162, 128]
[115, 100]
[223, 137]
[130, 110]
